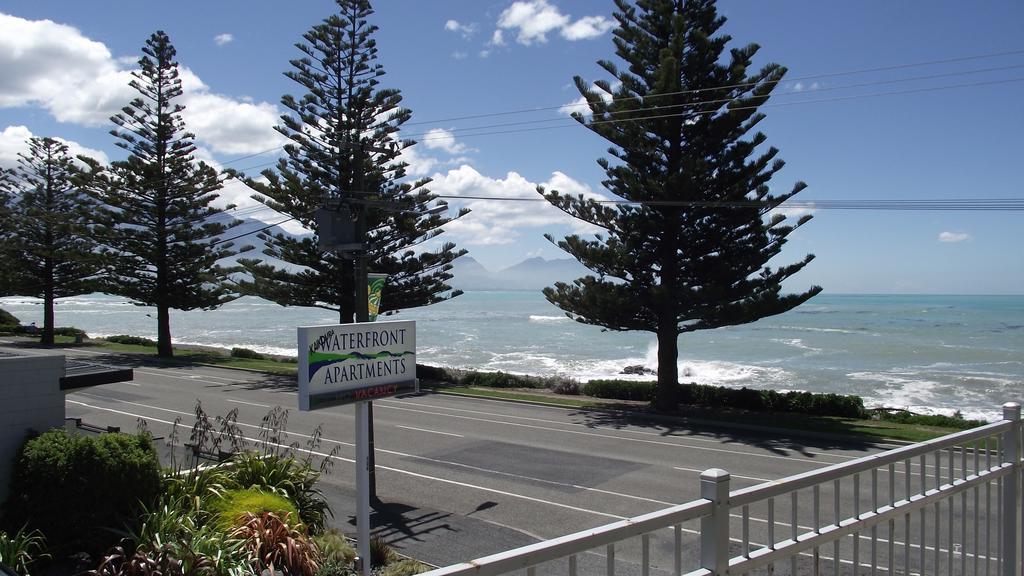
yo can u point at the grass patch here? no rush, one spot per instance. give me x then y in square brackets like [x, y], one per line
[206, 357]
[524, 396]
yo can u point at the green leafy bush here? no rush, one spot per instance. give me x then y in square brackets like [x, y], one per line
[131, 340]
[22, 549]
[404, 567]
[8, 319]
[500, 380]
[291, 478]
[230, 509]
[246, 353]
[619, 389]
[380, 553]
[335, 548]
[956, 421]
[104, 480]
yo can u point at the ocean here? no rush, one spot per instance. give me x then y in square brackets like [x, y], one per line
[932, 354]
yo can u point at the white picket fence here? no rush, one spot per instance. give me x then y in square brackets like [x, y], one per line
[951, 505]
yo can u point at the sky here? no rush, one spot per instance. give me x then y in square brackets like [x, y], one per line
[912, 100]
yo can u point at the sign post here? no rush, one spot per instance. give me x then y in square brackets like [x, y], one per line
[355, 363]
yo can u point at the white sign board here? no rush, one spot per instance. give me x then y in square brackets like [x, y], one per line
[346, 363]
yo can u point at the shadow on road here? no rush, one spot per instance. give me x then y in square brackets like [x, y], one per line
[820, 433]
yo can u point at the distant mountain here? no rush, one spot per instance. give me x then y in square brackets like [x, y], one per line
[530, 274]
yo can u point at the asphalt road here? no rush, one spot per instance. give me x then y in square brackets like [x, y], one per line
[459, 478]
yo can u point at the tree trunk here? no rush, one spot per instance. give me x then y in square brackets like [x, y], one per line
[666, 394]
[47, 337]
[163, 328]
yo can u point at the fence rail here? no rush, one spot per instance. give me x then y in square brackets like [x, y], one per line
[951, 505]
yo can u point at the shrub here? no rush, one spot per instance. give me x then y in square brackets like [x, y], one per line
[246, 353]
[291, 478]
[405, 567]
[565, 386]
[131, 340]
[69, 331]
[380, 553]
[500, 380]
[21, 550]
[230, 509]
[103, 479]
[8, 319]
[956, 421]
[274, 544]
[619, 389]
[335, 548]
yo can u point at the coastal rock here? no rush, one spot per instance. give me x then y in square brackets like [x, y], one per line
[639, 370]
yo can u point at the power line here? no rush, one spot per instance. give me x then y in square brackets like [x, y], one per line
[967, 204]
[797, 79]
[569, 122]
[741, 85]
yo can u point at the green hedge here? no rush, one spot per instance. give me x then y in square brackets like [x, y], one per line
[131, 340]
[8, 319]
[906, 417]
[30, 331]
[739, 398]
[246, 353]
[619, 389]
[78, 489]
[495, 379]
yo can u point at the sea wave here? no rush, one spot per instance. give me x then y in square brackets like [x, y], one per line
[799, 344]
[548, 319]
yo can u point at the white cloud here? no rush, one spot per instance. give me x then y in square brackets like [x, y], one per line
[800, 86]
[587, 27]
[459, 55]
[580, 104]
[55, 67]
[532, 20]
[228, 125]
[498, 38]
[222, 39]
[466, 30]
[13, 141]
[953, 237]
[419, 165]
[441, 139]
[494, 222]
[577, 105]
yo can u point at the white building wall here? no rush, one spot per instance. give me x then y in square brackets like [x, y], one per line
[30, 400]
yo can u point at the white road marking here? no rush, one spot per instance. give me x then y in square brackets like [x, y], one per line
[248, 403]
[574, 424]
[430, 431]
[612, 437]
[404, 455]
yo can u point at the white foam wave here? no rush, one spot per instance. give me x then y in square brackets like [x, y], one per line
[823, 330]
[798, 344]
[548, 319]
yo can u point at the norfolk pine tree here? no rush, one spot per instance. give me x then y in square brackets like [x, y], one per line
[344, 146]
[690, 250]
[156, 217]
[48, 250]
[6, 235]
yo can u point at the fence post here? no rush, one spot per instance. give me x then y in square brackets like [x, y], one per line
[1011, 512]
[714, 529]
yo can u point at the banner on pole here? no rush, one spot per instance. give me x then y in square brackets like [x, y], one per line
[346, 363]
[374, 289]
